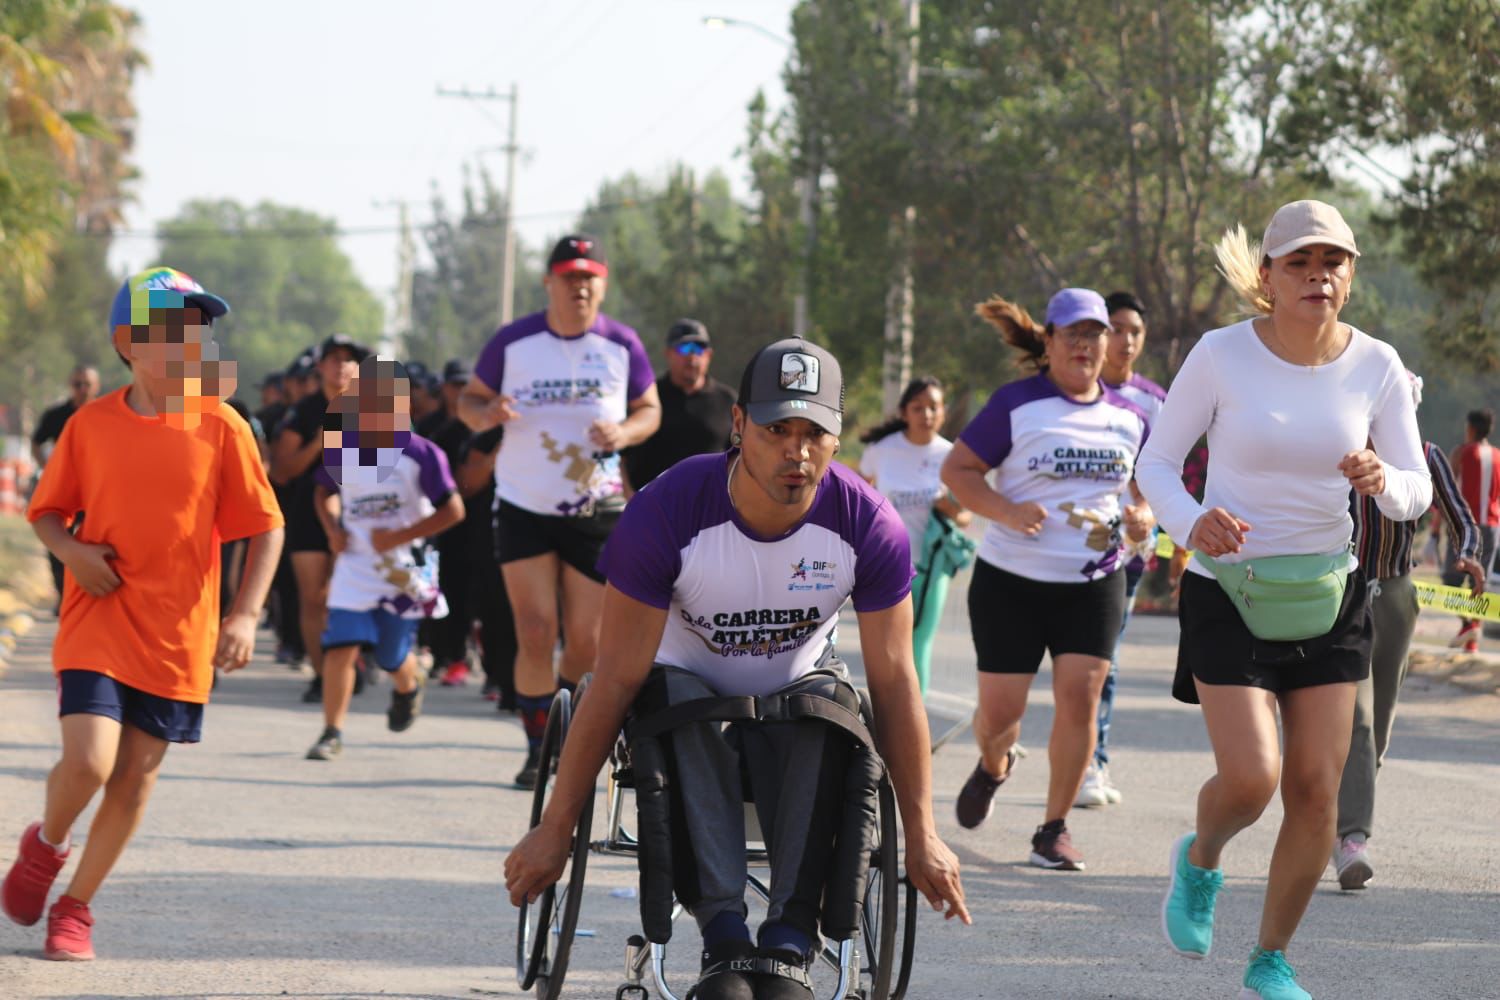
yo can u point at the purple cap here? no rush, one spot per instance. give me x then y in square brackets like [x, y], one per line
[1074, 305]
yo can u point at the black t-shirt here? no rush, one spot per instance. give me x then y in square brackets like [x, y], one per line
[305, 420]
[690, 425]
[50, 426]
[271, 415]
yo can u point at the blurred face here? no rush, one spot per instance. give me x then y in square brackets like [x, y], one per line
[175, 360]
[451, 392]
[687, 365]
[368, 425]
[270, 393]
[574, 297]
[1310, 284]
[83, 385]
[786, 459]
[1075, 354]
[1127, 335]
[924, 413]
[338, 368]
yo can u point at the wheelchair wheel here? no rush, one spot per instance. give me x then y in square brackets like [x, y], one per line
[545, 929]
[883, 915]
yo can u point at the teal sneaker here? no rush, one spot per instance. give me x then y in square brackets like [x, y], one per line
[1187, 913]
[1269, 977]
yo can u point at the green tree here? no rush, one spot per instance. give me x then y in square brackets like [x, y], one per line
[287, 282]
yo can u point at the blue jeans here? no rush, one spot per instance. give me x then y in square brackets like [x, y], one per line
[1107, 696]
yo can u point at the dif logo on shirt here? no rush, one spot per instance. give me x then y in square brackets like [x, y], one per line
[808, 574]
[368, 426]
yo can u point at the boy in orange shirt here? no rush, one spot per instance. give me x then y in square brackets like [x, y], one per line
[166, 472]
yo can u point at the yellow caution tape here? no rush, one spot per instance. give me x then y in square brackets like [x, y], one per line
[1457, 600]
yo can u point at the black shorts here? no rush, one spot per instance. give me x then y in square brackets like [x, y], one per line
[1216, 647]
[578, 541]
[1015, 619]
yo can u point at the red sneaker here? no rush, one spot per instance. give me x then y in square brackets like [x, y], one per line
[70, 931]
[24, 894]
[1467, 632]
[456, 675]
[1472, 646]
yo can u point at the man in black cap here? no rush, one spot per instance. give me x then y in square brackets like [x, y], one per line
[301, 378]
[696, 411]
[725, 579]
[572, 387]
[295, 455]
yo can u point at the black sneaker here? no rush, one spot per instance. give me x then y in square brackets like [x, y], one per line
[782, 975]
[725, 973]
[404, 709]
[360, 679]
[329, 745]
[314, 693]
[1052, 847]
[977, 797]
[526, 777]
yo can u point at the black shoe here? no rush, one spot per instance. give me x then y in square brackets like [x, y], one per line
[725, 973]
[782, 975]
[359, 680]
[404, 709]
[314, 693]
[977, 797]
[329, 745]
[526, 777]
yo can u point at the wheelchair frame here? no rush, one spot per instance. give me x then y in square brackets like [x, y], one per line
[542, 962]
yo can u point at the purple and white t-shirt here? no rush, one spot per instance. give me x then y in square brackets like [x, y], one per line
[1143, 392]
[561, 385]
[909, 476]
[1072, 458]
[364, 579]
[749, 614]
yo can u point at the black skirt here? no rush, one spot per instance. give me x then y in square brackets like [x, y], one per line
[1216, 647]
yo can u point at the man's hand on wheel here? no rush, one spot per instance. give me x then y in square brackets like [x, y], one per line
[535, 862]
[933, 871]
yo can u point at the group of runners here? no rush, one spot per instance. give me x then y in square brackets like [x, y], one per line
[673, 581]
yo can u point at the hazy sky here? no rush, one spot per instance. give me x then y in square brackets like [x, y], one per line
[330, 105]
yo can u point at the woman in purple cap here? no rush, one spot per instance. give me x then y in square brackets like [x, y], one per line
[1273, 621]
[1048, 576]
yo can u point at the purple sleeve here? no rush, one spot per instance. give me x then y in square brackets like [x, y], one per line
[882, 562]
[988, 434]
[642, 377]
[323, 479]
[433, 474]
[490, 368]
[641, 559]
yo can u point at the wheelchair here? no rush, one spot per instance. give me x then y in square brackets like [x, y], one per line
[861, 918]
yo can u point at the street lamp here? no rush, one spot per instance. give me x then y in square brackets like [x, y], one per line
[806, 214]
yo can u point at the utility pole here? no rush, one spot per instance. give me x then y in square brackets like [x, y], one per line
[901, 294]
[511, 149]
[396, 342]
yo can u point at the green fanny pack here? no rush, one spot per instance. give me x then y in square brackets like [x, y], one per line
[1285, 598]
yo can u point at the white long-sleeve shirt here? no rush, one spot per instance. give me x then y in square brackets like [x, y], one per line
[1276, 434]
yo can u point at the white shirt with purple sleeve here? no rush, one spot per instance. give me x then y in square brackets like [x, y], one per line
[1074, 459]
[561, 385]
[1144, 393]
[748, 614]
[393, 581]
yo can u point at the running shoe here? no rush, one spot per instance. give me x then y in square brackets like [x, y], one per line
[70, 931]
[1187, 912]
[1052, 847]
[1269, 977]
[1092, 793]
[977, 798]
[457, 674]
[490, 691]
[1351, 862]
[404, 709]
[24, 894]
[526, 777]
[1468, 633]
[329, 745]
[1108, 784]
[314, 693]
[1471, 647]
[361, 677]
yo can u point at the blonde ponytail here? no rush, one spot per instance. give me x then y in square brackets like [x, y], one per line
[1017, 329]
[1239, 263]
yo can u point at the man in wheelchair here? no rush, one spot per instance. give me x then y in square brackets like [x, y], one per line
[725, 577]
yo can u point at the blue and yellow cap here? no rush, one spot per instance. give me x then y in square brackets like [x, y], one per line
[160, 287]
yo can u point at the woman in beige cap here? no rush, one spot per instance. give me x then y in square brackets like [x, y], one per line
[1289, 400]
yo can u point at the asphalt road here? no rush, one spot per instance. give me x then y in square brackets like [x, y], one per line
[260, 874]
